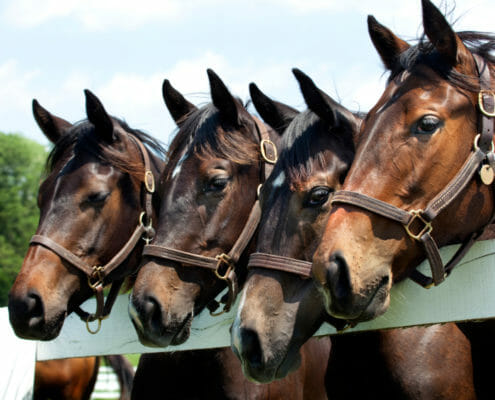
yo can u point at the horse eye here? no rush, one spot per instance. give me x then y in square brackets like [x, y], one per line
[318, 196]
[97, 198]
[216, 184]
[427, 125]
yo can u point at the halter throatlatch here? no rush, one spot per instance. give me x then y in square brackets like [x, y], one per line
[224, 265]
[418, 223]
[97, 274]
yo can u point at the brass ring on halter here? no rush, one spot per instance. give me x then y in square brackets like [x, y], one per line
[416, 214]
[258, 190]
[149, 181]
[98, 327]
[263, 151]
[223, 259]
[476, 146]
[141, 220]
[482, 105]
[96, 277]
[216, 314]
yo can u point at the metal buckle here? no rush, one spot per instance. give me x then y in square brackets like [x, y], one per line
[263, 151]
[147, 229]
[482, 105]
[149, 181]
[96, 277]
[223, 259]
[426, 229]
[476, 141]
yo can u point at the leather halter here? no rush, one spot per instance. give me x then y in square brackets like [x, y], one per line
[223, 265]
[481, 154]
[98, 273]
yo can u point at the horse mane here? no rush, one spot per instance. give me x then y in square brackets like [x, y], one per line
[81, 138]
[297, 159]
[480, 43]
[204, 133]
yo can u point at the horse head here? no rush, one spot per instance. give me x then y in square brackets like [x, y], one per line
[209, 196]
[280, 307]
[414, 183]
[90, 204]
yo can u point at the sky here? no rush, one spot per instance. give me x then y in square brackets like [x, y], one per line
[122, 50]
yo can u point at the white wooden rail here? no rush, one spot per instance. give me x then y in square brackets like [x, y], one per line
[468, 294]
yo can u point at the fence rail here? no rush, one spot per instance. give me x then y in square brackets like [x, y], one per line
[468, 294]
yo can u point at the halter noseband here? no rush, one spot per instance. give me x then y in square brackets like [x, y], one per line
[482, 156]
[223, 265]
[96, 274]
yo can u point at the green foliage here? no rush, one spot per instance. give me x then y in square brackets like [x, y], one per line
[21, 166]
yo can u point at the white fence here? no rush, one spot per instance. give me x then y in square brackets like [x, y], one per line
[468, 294]
[107, 385]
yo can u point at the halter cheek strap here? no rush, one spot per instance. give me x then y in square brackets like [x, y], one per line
[418, 223]
[97, 274]
[224, 265]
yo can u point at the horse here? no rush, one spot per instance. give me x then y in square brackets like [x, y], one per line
[209, 197]
[75, 378]
[281, 307]
[71, 378]
[91, 219]
[418, 140]
[94, 170]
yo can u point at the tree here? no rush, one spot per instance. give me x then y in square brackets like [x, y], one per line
[21, 167]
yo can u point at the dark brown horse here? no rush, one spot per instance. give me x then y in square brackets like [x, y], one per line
[209, 189]
[281, 308]
[90, 205]
[416, 141]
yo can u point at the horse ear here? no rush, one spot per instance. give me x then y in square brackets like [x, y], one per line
[274, 113]
[98, 117]
[177, 105]
[222, 99]
[324, 106]
[441, 34]
[387, 44]
[53, 127]
[317, 101]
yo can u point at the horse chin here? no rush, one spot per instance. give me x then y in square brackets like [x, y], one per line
[290, 363]
[39, 329]
[377, 305]
[163, 337]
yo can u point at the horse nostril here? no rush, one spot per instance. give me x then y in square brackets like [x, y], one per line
[338, 276]
[34, 305]
[251, 347]
[153, 314]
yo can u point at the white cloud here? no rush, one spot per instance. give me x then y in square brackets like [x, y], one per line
[127, 14]
[93, 14]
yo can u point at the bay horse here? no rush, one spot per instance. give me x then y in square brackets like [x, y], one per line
[88, 202]
[75, 378]
[414, 184]
[281, 307]
[90, 205]
[209, 194]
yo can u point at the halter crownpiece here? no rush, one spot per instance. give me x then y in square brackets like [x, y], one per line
[97, 274]
[223, 265]
[418, 223]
